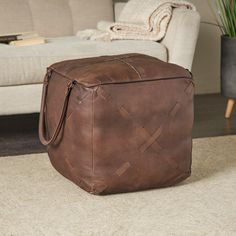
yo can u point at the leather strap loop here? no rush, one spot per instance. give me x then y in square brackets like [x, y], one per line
[42, 125]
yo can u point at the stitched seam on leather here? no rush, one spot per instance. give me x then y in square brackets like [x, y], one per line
[107, 60]
[189, 88]
[92, 135]
[121, 109]
[69, 164]
[176, 178]
[132, 67]
[85, 66]
[80, 101]
[123, 168]
[125, 114]
[69, 115]
[152, 139]
[155, 145]
[83, 183]
[175, 109]
[135, 81]
[120, 82]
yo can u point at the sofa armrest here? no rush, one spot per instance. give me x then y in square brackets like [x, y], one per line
[181, 37]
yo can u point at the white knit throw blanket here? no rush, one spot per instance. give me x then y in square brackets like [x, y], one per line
[139, 19]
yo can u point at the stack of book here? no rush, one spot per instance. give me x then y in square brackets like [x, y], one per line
[22, 39]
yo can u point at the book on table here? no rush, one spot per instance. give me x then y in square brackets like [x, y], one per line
[22, 39]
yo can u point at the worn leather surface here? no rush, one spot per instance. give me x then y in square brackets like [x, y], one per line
[127, 125]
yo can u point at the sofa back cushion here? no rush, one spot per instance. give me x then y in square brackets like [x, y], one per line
[86, 13]
[53, 18]
[15, 16]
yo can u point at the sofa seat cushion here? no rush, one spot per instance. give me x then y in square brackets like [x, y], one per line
[27, 65]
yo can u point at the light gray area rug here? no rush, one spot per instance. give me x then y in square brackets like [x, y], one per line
[35, 200]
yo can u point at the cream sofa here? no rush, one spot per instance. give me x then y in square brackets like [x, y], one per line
[22, 68]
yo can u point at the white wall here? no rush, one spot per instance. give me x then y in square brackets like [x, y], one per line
[206, 66]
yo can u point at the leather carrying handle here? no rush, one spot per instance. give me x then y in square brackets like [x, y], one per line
[42, 125]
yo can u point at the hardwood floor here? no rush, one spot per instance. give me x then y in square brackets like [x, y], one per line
[209, 117]
[19, 134]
